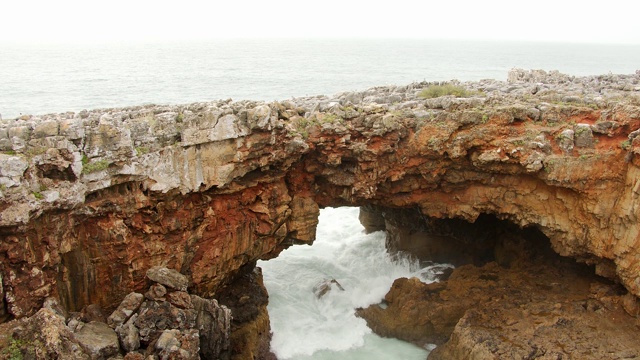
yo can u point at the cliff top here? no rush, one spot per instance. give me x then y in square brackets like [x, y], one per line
[53, 161]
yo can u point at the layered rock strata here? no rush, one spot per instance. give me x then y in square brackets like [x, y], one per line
[91, 200]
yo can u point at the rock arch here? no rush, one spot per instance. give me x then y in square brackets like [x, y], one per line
[209, 188]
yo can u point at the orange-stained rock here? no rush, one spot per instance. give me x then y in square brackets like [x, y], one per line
[90, 204]
[304, 219]
[538, 305]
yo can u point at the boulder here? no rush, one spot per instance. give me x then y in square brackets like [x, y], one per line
[98, 340]
[92, 312]
[178, 345]
[156, 293]
[180, 299]
[50, 338]
[127, 307]
[155, 317]
[213, 321]
[168, 277]
[129, 335]
[583, 136]
[324, 286]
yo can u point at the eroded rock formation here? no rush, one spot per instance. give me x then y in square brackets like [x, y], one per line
[165, 322]
[91, 200]
[520, 301]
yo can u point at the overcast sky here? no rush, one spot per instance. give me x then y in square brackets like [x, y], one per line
[610, 21]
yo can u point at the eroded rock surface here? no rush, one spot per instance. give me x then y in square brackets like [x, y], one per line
[176, 325]
[528, 303]
[247, 299]
[90, 201]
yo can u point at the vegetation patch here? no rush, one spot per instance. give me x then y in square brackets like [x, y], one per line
[435, 91]
[331, 118]
[89, 166]
[141, 150]
[14, 350]
[35, 151]
[625, 145]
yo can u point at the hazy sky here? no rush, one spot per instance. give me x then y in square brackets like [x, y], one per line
[611, 21]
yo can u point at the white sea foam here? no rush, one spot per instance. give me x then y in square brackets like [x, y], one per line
[305, 327]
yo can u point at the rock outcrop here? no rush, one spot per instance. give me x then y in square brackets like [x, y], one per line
[526, 302]
[90, 201]
[164, 323]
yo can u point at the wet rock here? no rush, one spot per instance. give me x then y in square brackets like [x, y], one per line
[247, 299]
[371, 219]
[410, 320]
[168, 277]
[439, 240]
[98, 340]
[545, 304]
[324, 286]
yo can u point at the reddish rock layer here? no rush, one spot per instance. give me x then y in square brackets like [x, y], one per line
[539, 306]
[90, 201]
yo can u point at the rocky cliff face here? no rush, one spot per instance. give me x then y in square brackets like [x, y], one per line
[90, 201]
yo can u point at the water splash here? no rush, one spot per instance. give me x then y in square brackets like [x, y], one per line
[305, 327]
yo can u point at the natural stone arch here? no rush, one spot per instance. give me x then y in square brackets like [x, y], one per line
[208, 189]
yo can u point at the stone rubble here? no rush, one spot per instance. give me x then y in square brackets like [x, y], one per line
[150, 329]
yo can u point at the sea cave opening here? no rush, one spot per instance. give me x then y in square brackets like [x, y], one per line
[357, 255]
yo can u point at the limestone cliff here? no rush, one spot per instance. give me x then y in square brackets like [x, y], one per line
[90, 201]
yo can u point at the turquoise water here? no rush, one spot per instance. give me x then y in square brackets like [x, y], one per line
[37, 79]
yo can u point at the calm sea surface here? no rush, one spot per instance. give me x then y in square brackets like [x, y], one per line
[37, 79]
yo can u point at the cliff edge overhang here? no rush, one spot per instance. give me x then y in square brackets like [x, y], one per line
[90, 201]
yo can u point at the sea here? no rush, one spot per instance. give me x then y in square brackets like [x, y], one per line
[59, 77]
[52, 78]
[308, 327]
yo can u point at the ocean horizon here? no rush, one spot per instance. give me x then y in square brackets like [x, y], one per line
[59, 77]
